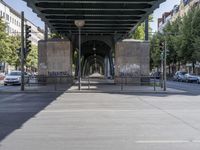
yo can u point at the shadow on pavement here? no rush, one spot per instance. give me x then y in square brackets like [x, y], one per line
[16, 109]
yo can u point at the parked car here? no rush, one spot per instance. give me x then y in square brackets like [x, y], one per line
[198, 79]
[179, 76]
[14, 78]
[191, 77]
[155, 75]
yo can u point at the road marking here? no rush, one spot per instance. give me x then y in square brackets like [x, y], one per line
[166, 141]
[89, 110]
[11, 97]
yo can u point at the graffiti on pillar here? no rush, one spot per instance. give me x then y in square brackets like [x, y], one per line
[43, 66]
[129, 70]
[58, 74]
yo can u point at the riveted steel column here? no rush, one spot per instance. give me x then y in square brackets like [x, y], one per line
[46, 32]
[79, 60]
[147, 29]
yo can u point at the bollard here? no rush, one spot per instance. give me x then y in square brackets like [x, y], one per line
[122, 84]
[55, 84]
[88, 83]
[154, 84]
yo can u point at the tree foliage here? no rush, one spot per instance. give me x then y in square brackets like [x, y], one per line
[183, 40]
[9, 46]
[3, 41]
[32, 58]
[139, 33]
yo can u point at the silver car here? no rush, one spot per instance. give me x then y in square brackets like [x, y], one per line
[198, 79]
[191, 77]
[179, 76]
[14, 78]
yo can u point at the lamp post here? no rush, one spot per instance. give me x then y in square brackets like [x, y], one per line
[79, 24]
[165, 64]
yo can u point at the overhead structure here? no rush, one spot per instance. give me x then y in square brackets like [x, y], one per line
[102, 17]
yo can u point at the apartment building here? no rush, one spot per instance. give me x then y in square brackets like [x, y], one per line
[12, 19]
[166, 17]
[178, 11]
[184, 7]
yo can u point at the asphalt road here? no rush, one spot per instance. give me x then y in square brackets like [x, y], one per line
[192, 88]
[99, 121]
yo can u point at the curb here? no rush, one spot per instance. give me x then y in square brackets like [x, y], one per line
[84, 91]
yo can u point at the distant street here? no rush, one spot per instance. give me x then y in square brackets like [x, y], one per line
[192, 88]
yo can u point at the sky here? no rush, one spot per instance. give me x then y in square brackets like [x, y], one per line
[20, 5]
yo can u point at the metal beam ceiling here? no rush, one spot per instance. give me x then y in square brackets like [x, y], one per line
[101, 16]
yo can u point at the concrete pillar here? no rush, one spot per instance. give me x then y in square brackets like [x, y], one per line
[107, 67]
[132, 59]
[55, 57]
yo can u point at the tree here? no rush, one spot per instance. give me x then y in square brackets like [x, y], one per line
[196, 34]
[139, 33]
[3, 41]
[186, 50]
[172, 36]
[155, 50]
[32, 58]
[13, 57]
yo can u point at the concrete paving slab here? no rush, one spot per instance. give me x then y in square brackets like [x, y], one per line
[103, 121]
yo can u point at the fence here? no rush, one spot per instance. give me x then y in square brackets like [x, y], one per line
[152, 81]
[54, 82]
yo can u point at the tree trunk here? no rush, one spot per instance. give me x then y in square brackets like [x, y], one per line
[179, 65]
[193, 67]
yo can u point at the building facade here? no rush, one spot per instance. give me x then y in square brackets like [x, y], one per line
[12, 19]
[166, 17]
[178, 11]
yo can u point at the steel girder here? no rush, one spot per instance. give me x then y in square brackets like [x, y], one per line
[108, 17]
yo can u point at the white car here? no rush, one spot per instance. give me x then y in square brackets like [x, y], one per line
[14, 78]
[198, 79]
[191, 77]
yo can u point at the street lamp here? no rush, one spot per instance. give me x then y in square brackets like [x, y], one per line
[79, 24]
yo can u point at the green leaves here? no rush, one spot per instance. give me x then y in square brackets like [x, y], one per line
[183, 38]
[9, 46]
[139, 33]
[32, 59]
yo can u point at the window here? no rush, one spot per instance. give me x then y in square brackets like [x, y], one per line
[7, 17]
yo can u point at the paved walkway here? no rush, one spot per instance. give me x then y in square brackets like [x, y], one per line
[99, 121]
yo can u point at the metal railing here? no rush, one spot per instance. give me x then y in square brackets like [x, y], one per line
[151, 81]
[55, 82]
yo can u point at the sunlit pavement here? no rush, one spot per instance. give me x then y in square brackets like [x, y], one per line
[99, 121]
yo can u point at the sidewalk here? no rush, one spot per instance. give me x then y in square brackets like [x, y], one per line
[99, 121]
